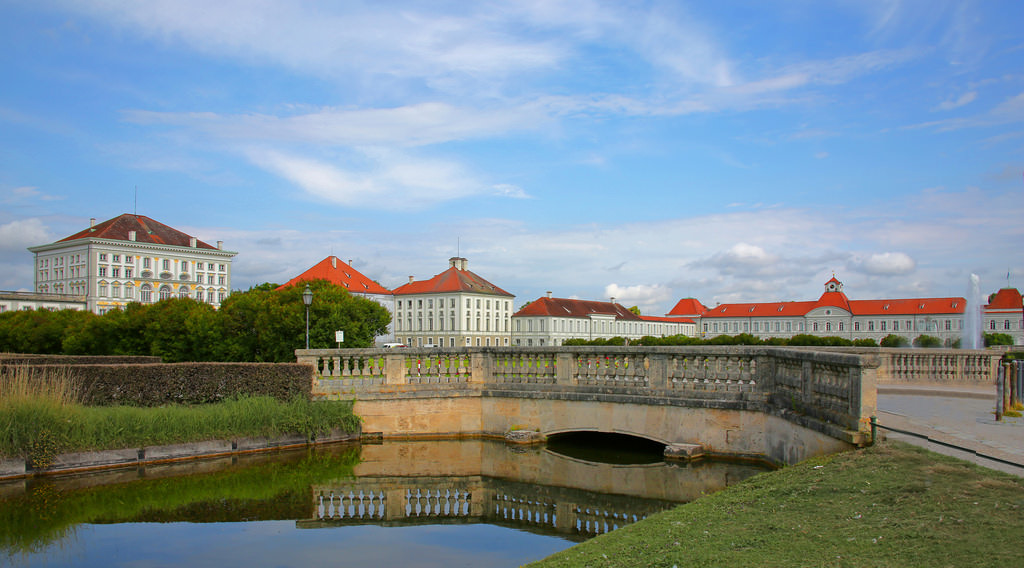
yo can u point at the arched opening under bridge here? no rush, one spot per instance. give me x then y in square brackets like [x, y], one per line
[606, 447]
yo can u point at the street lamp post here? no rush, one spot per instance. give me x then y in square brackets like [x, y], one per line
[307, 299]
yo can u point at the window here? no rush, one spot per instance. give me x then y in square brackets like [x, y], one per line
[220, 280]
[102, 271]
[883, 322]
[209, 266]
[129, 259]
[992, 324]
[856, 326]
[814, 326]
[871, 325]
[220, 267]
[146, 294]
[145, 262]
[103, 257]
[127, 272]
[840, 326]
[165, 292]
[896, 325]
[116, 290]
[115, 272]
[1006, 324]
[103, 290]
[183, 292]
[117, 258]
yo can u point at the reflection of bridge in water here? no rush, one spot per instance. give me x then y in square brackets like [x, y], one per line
[576, 514]
[472, 482]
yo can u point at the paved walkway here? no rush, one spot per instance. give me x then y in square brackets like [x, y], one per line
[962, 417]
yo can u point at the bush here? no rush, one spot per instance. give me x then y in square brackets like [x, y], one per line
[998, 339]
[893, 340]
[927, 341]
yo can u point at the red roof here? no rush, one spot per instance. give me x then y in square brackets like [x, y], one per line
[146, 231]
[337, 272]
[687, 307]
[568, 308]
[452, 280]
[667, 319]
[905, 307]
[1006, 299]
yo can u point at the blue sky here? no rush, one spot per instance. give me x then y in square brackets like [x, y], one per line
[649, 151]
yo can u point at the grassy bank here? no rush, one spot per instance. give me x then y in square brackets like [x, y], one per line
[889, 505]
[39, 418]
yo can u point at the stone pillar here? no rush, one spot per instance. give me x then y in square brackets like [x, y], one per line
[564, 368]
[481, 365]
[394, 369]
[657, 372]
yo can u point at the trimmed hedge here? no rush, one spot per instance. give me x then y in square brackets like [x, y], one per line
[189, 383]
[64, 360]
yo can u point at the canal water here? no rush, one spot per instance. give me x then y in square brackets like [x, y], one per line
[422, 503]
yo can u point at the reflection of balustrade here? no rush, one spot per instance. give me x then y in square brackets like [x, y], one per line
[522, 510]
[351, 505]
[447, 502]
[577, 513]
[594, 521]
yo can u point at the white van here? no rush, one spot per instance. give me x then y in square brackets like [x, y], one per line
[393, 345]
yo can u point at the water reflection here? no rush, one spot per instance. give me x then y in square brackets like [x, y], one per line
[541, 499]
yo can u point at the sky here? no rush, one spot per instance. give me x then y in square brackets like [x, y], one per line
[647, 151]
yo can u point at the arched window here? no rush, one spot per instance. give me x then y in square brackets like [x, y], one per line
[146, 294]
[183, 292]
[165, 292]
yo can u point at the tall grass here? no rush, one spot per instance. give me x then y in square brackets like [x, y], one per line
[39, 417]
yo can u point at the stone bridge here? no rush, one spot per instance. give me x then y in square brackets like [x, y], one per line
[771, 403]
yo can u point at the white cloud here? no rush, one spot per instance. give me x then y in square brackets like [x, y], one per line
[390, 181]
[646, 297]
[964, 99]
[884, 264]
[22, 233]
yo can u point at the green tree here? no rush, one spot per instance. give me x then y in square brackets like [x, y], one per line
[997, 339]
[893, 340]
[635, 310]
[927, 341]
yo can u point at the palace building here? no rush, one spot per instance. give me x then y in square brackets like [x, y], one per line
[132, 258]
[834, 314]
[455, 308]
[549, 321]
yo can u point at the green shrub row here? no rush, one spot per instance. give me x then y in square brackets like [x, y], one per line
[189, 383]
[63, 360]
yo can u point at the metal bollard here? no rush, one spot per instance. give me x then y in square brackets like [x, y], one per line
[874, 429]
[1000, 375]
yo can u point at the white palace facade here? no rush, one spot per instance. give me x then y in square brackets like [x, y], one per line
[549, 321]
[456, 308]
[132, 258]
[835, 315]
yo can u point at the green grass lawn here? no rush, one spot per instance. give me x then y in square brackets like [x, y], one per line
[889, 505]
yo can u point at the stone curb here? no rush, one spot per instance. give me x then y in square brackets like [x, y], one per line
[84, 461]
[984, 393]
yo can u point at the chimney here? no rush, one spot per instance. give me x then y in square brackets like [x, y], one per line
[220, 245]
[192, 242]
[92, 222]
[410, 279]
[131, 235]
[334, 262]
[613, 299]
[350, 262]
[458, 263]
[549, 293]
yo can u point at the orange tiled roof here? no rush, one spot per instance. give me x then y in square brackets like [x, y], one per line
[910, 306]
[451, 280]
[666, 319]
[569, 308]
[1006, 299]
[687, 307]
[341, 273]
[146, 231]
